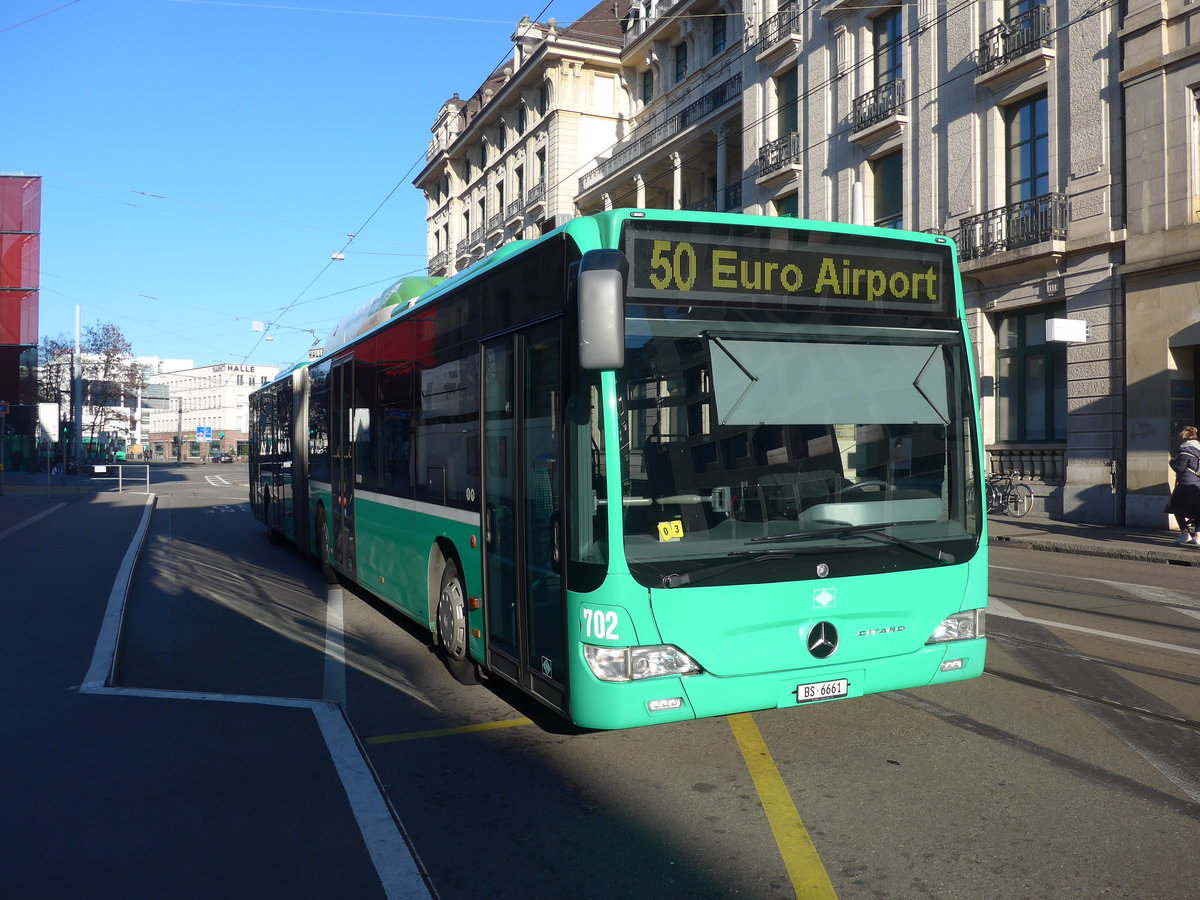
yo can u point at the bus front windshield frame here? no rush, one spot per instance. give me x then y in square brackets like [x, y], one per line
[761, 442]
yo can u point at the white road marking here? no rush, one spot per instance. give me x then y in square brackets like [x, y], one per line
[217, 481]
[381, 831]
[1141, 591]
[334, 688]
[1003, 610]
[45, 512]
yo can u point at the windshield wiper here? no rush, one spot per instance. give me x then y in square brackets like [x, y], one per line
[706, 572]
[831, 532]
[874, 530]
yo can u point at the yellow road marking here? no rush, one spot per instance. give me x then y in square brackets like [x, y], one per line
[809, 878]
[446, 732]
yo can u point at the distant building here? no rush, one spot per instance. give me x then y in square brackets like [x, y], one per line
[502, 164]
[214, 397]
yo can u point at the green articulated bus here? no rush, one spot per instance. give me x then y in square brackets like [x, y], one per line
[655, 465]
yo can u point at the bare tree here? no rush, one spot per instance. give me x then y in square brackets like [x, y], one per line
[112, 380]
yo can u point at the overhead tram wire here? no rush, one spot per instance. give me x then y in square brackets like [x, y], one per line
[418, 161]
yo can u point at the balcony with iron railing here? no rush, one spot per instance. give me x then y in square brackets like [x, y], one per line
[441, 260]
[638, 22]
[496, 222]
[640, 145]
[1011, 227]
[783, 25]
[1014, 38]
[461, 248]
[514, 208]
[536, 193]
[878, 108]
[780, 153]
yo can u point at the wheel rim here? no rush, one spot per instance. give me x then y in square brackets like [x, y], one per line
[452, 620]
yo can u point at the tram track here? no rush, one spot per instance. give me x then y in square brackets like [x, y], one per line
[1182, 721]
[1087, 657]
[1121, 617]
[994, 579]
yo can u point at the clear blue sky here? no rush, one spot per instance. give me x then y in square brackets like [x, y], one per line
[202, 160]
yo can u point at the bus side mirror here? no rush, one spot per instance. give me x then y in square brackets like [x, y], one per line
[602, 309]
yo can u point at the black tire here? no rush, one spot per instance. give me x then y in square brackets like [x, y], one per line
[1020, 500]
[327, 573]
[452, 639]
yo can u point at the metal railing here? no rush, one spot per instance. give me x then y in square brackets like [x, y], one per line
[877, 105]
[104, 473]
[779, 153]
[536, 193]
[1014, 37]
[514, 208]
[697, 111]
[1019, 224]
[779, 26]
[440, 260]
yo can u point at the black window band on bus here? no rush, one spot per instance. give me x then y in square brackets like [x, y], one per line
[703, 264]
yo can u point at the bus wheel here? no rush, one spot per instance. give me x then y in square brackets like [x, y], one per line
[323, 564]
[452, 626]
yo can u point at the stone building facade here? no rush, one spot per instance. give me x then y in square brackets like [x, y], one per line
[1161, 84]
[502, 164]
[996, 123]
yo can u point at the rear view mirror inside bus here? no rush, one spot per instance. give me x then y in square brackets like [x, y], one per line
[602, 309]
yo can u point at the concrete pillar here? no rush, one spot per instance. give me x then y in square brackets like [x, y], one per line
[677, 180]
[639, 186]
[722, 162]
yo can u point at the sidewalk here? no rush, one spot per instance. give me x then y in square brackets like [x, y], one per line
[1113, 541]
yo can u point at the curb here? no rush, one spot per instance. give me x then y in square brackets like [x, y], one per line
[1167, 557]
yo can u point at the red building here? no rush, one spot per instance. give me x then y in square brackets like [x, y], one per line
[20, 247]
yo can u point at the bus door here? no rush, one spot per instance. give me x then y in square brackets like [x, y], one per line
[341, 423]
[524, 596]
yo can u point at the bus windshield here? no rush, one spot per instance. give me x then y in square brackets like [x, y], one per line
[770, 438]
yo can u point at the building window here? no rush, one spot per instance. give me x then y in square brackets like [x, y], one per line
[889, 65]
[518, 182]
[647, 86]
[786, 108]
[543, 99]
[1028, 130]
[541, 165]
[1031, 379]
[522, 121]
[1196, 151]
[888, 174]
[787, 205]
[680, 62]
[718, 35]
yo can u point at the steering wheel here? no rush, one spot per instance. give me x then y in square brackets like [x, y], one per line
[859, 485]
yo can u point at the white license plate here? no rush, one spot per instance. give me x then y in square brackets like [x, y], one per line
[822, 690]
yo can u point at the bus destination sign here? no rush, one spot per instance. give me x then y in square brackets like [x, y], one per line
[700, 264]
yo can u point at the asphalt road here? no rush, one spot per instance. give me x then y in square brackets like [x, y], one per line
[990, 788]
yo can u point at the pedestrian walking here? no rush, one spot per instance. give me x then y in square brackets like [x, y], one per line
[1184, 504]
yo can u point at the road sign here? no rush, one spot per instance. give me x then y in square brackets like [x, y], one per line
[203, 432]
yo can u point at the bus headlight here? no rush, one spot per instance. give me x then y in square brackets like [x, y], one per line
[633, 663]
[959, 627]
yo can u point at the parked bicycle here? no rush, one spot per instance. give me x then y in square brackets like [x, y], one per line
[1008, 495]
